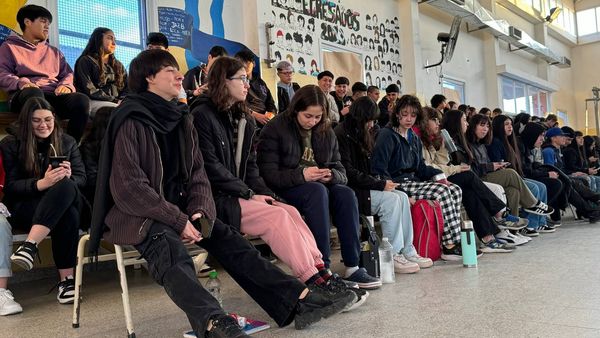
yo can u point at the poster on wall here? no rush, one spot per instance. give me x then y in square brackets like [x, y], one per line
[300, 26]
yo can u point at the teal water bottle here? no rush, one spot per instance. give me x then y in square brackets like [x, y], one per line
[468, 245]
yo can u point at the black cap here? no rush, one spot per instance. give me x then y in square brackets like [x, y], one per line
[359, 87]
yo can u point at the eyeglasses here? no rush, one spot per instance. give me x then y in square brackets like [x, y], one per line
[242, 78]
[38, 121]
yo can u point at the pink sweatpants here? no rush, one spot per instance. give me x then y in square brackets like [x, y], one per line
[283, 229]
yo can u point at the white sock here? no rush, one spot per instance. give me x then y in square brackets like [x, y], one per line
[350, 271]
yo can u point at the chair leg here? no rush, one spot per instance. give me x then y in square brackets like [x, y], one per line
[124, 291]
[78, 278]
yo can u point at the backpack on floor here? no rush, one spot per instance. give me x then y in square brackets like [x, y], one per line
[428, 226]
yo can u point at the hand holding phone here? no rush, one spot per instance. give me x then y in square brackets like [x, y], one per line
[204, 225]
[55, 161]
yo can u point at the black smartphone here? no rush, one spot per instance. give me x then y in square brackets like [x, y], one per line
[329, 165]
[204, 225]
[55, 161]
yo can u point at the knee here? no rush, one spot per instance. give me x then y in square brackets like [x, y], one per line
[163, 253]
[32, 92]
[315, 190]
[81, 102]
[5, 228]
[65, 187]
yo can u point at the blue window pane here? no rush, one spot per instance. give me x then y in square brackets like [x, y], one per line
[77, 20]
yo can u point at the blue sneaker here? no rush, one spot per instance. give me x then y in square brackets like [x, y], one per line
[364, 281]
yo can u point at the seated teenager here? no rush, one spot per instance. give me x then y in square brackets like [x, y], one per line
[44, 172]
[504, 146]
[377, 196]
[226, 132]
[479, 135]
[298, 158]
[387, 104]
[152, 189]
[30, 67]
[590, 152]
[196, 79]
[398, 156]
[530, 143]
[285, 86]
[481, 205]
[98, 73]
[8, 305]
[576, 163]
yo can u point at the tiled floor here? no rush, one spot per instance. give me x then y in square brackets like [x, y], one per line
[547, 288]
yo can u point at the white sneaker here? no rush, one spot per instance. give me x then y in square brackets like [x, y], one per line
[423, 262]
[508, 237]
[401, 265]
[527, 238]
[8, 306]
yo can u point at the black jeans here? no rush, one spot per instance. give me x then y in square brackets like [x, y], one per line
[314, 200]
[74, 106]
[557, 195]
[480, 202]
[58, 209]
[171, 266]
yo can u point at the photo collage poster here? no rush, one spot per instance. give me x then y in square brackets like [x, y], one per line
[299, 26]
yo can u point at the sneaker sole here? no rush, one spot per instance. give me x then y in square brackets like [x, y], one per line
[317, 314]
[451, 258]
[490, 250]
[407, 271]
[358, 303]
[66, 301]
[22, 263]
[11, 311]
[370, 286]
[539, 213]
[546, 231]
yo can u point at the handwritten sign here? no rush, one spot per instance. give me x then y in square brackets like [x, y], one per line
[177, 25]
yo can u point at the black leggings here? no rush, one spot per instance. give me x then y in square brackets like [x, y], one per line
[74, 106]
[58, 209]
[479, 202]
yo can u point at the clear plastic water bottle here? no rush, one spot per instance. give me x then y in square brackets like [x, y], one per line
[386, 261]
[213, 286]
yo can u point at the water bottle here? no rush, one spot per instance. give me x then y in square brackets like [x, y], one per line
[468, 245]
[386, 261]
[213, 286]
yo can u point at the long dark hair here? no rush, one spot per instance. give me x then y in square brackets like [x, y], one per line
[403, 102]
[307, 96]
[520, 121]
[222, 69]
[363, 110]
[479, 119]
[508, 141]
[28, 150]
[428, 139]
[452, 122]
[94, 49]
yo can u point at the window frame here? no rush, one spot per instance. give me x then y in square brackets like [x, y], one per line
[457, 83]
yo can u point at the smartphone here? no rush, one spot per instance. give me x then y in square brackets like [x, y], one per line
[204, 225]
[506, 164]
[55, 161]
[329, 165]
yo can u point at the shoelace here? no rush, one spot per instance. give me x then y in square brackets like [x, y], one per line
[64, 282]
[9, 294]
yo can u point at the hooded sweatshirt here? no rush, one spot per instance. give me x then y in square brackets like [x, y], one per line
[22, 62]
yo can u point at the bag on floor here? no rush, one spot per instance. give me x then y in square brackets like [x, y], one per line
[428, 226]
[369, 254]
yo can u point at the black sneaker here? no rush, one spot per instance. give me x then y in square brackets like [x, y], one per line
[25, 255]
[593, 216]
[553, 223]
[337, 283]
[66, 291]
[454, 254]
[224, 326]
[529, 232]
[540, 208]
[318, 304]
[545, 229]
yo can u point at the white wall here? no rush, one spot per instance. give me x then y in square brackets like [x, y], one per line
[585, 76]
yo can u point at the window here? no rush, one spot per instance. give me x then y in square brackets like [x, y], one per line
[453, 90]
[518, 97]
[586, 22]
[77, 20]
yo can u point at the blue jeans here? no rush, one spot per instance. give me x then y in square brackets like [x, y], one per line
[393, 208]
[5, 247]
[538, 189]
[594, 183]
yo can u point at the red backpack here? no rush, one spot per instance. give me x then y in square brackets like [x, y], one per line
[428, 226]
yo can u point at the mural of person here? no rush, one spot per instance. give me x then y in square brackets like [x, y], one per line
[290, 58]
[359, 41]
[371, 44]
[388, 66]
[376, 34]
[353, 39]
[368, 79]
[308, 44]
[386, 46]
[374, 21]
[277, 56]
[301, 22]
[383, 82]
[399, 84]
[378, 82]
[380, 51]
[368, 22]
[365, 43]
[382, 30]
[397, 55]
[314, 68]
[394, 68]
[299, 42]
[282, 20]
[376, 63]
[392, 53]
[390, 80]
[311, 24]
[291, 21]
[368, 65]
[301, 66]
[400, 69]
[279, 39]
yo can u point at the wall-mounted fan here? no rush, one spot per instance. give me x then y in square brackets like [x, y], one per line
[448, 41]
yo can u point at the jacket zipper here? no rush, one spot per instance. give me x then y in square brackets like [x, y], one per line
[160, 190]
[246, 164]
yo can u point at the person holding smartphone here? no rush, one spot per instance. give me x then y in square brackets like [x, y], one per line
[292, 154]
[227, 133]
[377, 196]
[44, 198]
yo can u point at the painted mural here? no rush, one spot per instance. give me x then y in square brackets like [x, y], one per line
[301, 25]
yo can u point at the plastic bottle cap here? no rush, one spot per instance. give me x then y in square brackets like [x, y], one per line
[212, 275]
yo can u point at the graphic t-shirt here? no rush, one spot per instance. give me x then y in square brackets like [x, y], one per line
[308, 157]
